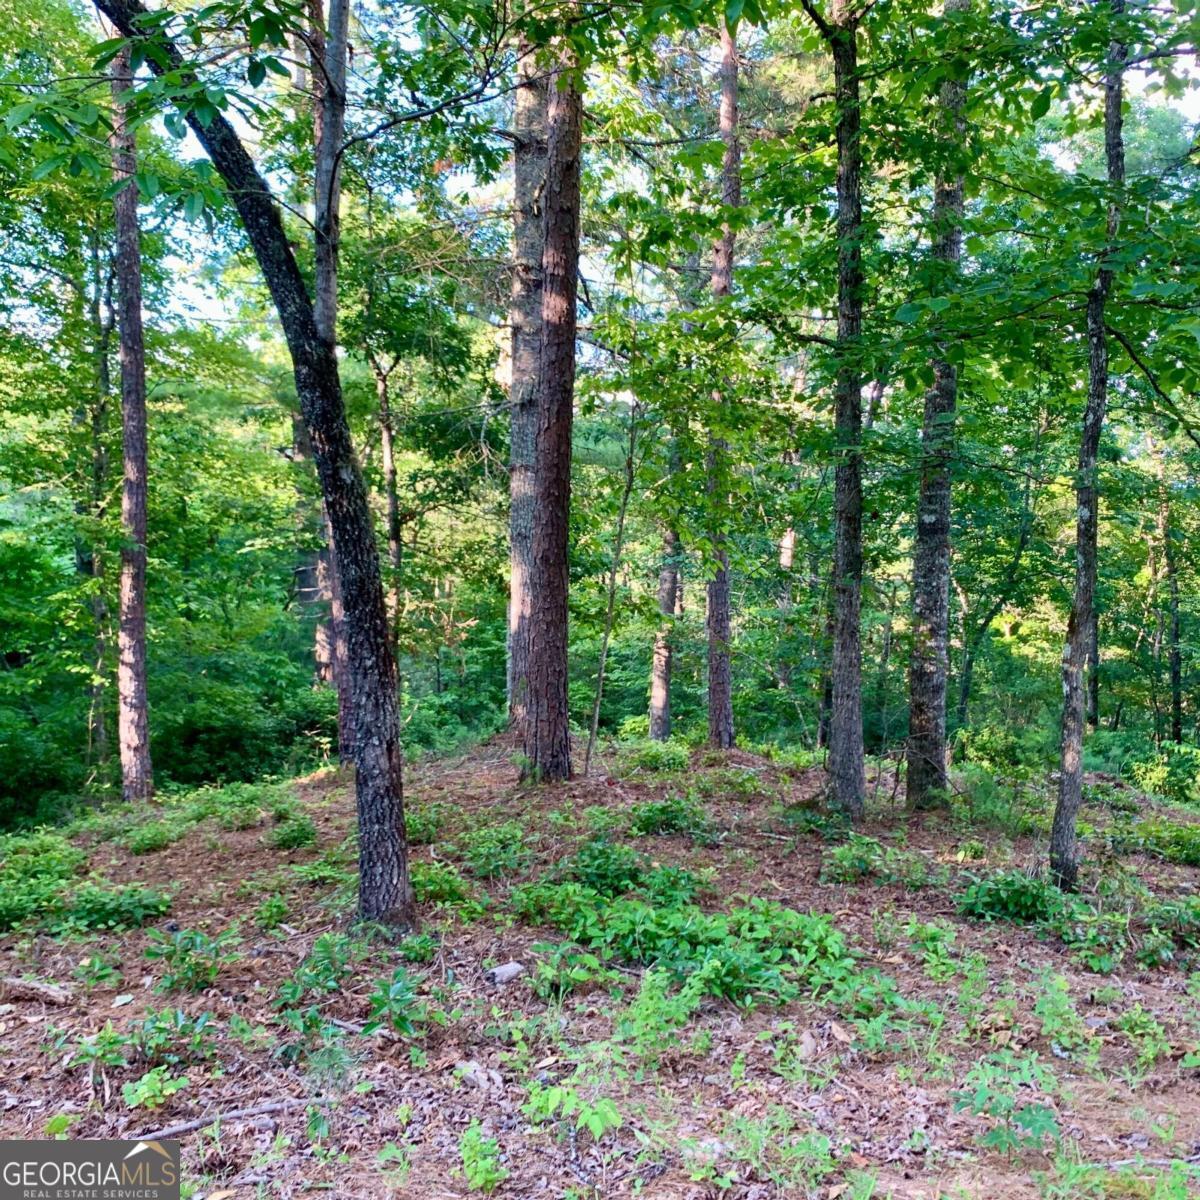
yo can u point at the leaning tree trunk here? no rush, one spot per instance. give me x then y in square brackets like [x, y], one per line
[926, 783]
[395, 526]
[385, 894]
[669, 591]
[525, 317]
[1064, 846]
[133, 720]
[547, 738]
[720, 630]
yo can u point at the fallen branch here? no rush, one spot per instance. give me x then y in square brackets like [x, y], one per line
[234, 1114]
[12, 988]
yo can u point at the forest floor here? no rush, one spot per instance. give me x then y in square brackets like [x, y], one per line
[942, 1057]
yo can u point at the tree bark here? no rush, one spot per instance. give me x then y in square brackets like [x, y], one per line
[1064, 846]
[547, 730]
[927, 785]
[133, 716]
[328, 48]
[385, 894]
[525, 317]
[846, 763]
[669, 592]
[387, 444]
[720, 674]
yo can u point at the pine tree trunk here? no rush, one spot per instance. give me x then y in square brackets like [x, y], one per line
[926, 783]
[720, 630]
[846, 764]
[385, 894]
[660, 671]
[133, 719]
[547, 731]
[387, 444]
[525, 317]
[1064, 846]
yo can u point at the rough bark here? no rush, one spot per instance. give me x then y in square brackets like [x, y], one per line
[847, 768]
[927, 785]
[525, 318]
[1064, 846]
[395, 526]
[669, 595]
[720, 675]
[547, 733]
[328, 48]
[133, 714]
[385, 894]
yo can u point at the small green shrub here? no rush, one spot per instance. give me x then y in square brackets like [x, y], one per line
[394, 1003]
[862, 858]
[676, 814]
[294, 833]
[154, 1089]
[566, 968]
[481, 1160]
[418, 948]
[424, 823]
[496, 850]
[154, 836]
[323, 970]
[607, 867]
[439, 883]
[655, 756]
[35, 870]
[171, 1037]
[1011, 896]
[192, 960]
[91, 906]
[272, 912]
[1169, 840]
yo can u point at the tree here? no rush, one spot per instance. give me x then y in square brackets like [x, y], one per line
[1064, 847]
[926, 782]
[547, 736]
[847, 767]
[525, 317]
[385, 894]
[720, 634]
[133, 715]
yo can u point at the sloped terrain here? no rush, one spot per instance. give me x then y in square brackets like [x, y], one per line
[722, 991]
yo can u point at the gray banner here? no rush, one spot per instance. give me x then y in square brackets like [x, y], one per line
[89, 1171]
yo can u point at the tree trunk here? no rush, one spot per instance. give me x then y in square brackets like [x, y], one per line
[385, 894]
[133, 720]
[926, 783]
[660, 672]
[720, 675]
[525, 317]
[547, 731]
[846, 765]
[1064, 846]
[787, 558]
[387, 436]
[1093, 672]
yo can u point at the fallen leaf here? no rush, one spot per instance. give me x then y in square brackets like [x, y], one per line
[123, 999]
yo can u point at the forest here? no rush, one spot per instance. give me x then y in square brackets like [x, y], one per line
[599, 599]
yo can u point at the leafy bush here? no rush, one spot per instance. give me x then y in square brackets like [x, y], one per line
[154, 836]
[94, 907]
[567, 968]
[655, 756]
[1177, 843]
[607, 867]
[496, 850]
[35, 869]
[394, 1003]
[1173, 773]
[192, 959]
[861, 858]
[439, 883]
[295, 833]
[171, 1037]
[1011, 896]
[424, 823]
[675, 814]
